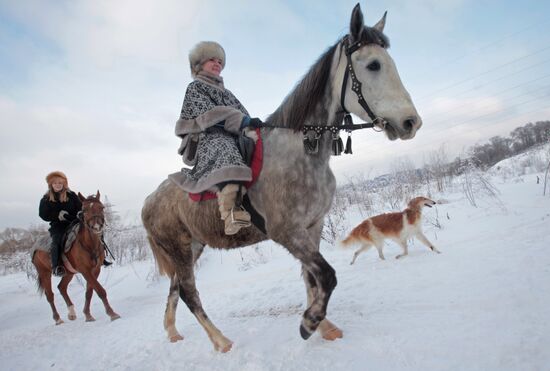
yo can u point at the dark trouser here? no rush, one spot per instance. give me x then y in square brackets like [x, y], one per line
[57, 239]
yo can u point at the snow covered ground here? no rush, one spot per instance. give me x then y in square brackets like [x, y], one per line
[483, 304]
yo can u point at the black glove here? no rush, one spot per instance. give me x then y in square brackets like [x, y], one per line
[255, 123]
[251, 123]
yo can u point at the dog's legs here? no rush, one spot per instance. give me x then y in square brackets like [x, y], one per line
[405, 249]
[379, 247]
[426, 242]
[365, 247]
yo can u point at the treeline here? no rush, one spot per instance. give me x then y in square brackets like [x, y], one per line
[520, 139]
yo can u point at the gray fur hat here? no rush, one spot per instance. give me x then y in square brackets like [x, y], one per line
[202, 52]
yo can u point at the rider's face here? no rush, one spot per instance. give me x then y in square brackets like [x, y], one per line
[213, 65]
[57, 185]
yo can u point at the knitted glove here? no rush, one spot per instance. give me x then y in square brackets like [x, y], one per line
[63, 215]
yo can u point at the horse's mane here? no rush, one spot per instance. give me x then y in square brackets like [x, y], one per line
[303, 101]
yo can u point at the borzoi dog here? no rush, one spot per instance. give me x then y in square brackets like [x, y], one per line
[398, 226]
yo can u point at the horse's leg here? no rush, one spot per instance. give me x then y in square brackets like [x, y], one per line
[304, 248]
[91, 278]
[327, 329]
[197, 249]
[88, 296]
[170, 313]
[63, 290]
[182, 255]
[44, 275]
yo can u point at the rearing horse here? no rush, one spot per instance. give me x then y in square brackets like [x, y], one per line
[85, 256]
[295, 189]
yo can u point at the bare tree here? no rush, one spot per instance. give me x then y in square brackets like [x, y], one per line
[437, 168]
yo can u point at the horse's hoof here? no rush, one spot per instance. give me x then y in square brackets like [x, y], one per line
[114, 317]
[90, 319]
[333, 334]
[225, 348]
[305, 333]
[59, 321]
[72, 317]
[175, 338]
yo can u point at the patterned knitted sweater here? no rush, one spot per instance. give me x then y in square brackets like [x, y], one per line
[209, 123]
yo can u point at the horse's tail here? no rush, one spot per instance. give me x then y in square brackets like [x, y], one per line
[164, 263]
[39, 285]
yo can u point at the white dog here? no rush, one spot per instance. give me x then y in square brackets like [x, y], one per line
[398, 226]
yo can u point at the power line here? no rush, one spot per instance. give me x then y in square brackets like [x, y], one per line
[459, 108]
[484, 73]
[504, 77]
[487, 46]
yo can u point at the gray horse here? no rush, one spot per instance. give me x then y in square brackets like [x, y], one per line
[295, 188]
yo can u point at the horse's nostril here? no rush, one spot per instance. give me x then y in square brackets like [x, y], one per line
[409, 124]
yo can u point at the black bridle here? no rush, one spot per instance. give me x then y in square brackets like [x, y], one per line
[356, 88]
[98, 218]
[312, 133]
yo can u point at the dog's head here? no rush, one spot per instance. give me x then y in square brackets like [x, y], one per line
[419, 202]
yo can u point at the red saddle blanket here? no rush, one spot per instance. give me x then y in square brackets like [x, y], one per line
[255, 165]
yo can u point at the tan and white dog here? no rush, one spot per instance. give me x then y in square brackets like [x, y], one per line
[398, 226]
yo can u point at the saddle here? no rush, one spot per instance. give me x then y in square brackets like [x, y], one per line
[252, 154]
[70, 235]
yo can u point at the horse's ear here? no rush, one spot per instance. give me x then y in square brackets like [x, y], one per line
[356, 23]
[97, 194]
[82, 198]
[381, 23]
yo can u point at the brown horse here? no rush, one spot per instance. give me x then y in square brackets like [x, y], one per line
[85, 257]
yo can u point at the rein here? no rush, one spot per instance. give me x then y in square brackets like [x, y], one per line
[92, 252]
[312, 133]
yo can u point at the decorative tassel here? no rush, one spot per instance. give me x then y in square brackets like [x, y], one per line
[348, 120]
[337, 145]
[348, 145]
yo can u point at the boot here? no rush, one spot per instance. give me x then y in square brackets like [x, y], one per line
[106, 263]
[59, 271]
[235, 217]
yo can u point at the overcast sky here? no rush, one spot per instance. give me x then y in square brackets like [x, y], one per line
[93, 88]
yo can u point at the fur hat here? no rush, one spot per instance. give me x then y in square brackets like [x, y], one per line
[57, 174]
[202, 52]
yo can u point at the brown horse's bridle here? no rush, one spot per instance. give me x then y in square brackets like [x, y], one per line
[93, 219]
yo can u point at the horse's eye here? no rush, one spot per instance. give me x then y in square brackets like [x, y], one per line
[373, 66]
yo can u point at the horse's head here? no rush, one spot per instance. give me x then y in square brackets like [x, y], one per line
[380, 85]
[93, 216]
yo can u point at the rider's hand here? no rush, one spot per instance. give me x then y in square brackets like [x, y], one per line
[255, 123]
[63, 215]
[251, 123]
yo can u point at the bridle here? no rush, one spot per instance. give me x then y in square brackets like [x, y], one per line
[356, 88]
[97, 218]
[312, 133]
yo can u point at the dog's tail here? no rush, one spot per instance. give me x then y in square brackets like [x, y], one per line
[349, 240]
